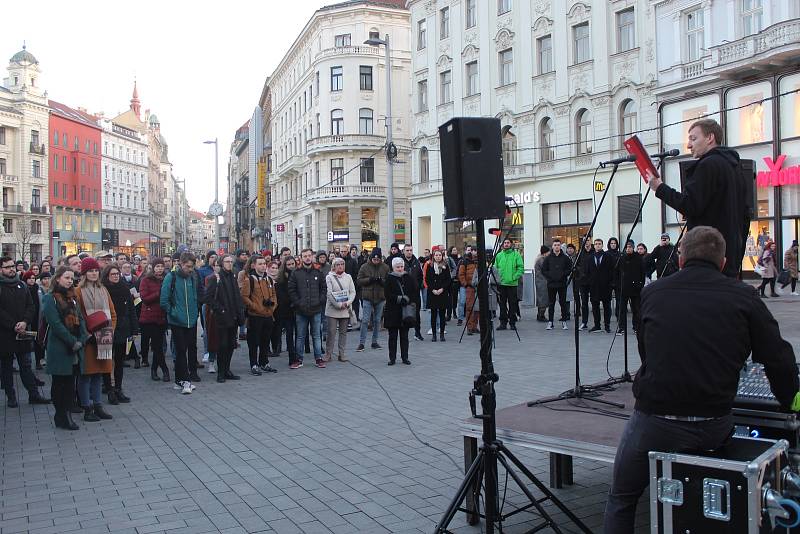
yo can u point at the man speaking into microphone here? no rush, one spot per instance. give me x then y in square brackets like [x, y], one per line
[714, 193]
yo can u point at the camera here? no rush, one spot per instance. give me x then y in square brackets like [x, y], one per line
[268, 303]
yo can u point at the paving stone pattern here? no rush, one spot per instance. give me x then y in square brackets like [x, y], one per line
[305, 451]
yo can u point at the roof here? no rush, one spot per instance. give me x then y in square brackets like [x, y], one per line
[400, 4]
[24, 56]
[130, 120]
[72, 114]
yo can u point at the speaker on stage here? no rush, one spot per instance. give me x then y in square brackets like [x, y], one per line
[472, 168]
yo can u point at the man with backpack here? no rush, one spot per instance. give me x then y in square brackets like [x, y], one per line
[180, 296]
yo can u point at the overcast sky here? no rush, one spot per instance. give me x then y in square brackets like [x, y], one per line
[200, 65]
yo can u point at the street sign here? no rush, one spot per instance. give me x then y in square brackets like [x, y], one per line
[338, 236]
[280, 227]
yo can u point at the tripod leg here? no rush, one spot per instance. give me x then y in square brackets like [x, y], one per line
[471, 480]
[549, 494]
[539, 508]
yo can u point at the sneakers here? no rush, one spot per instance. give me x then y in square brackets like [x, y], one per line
[255, 371]
[375, 346]
[186, 387]
[549, 325]
[620, 331]
[418, 337]
[212, 368]
[430, 331]
[205, 358]
[594, 329]
[360, 347]
[564, 325]
[266, 368]
[795, 293]
[296, 365]
[460, 322]
[319, 362]
[584, 326]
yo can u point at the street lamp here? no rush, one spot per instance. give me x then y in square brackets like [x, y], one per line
[390, 149]
[215, 210]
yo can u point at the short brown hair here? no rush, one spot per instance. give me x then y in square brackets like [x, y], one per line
[708, 127]
[703, 243]
[187, 256]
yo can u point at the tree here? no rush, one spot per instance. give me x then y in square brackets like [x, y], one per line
[23, 235]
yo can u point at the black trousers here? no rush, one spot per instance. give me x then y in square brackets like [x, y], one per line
[118, 351]
[25, 372]
[606, 311]
[452, 308]
[289, 326]
[62, 391]
[153, 335]
[259, 333]
[764, 282]
[583, 298]
[509, 304]
[402, 333]
[226, 336]
[185, 351]
[636, 306]
[645, 433]
[441, 313]
[357, 303]
[561, 292]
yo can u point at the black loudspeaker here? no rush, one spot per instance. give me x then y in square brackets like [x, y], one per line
[472, 168]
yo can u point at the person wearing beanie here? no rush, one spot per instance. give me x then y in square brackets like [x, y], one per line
[394, 252]
[153, 321]
[790, 264]
[370, 280]
[29, 279]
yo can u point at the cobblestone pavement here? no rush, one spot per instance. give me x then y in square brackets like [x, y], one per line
[311, 450]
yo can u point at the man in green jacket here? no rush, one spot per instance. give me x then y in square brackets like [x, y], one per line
[180, 294]
[510, 268]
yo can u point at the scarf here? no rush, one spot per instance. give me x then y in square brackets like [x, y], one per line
[67, 309]
[437, 267]
[95, 298]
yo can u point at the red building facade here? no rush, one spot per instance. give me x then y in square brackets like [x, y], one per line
[74, 180]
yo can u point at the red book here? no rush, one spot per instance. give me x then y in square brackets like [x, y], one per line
[643, 161]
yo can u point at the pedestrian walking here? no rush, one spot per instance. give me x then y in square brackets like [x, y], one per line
[225, 300]
[438, 283]
[769, 269]
[790, 264]
[400, 288]
[371, 278]
[341, 294]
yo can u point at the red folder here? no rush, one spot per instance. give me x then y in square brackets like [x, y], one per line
[643, 161]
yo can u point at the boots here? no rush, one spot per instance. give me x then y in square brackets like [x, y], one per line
[433, 338]
[165, 372]
[137, 363]
[121, 397]
[89, 415]
[154, 375]
[12, 399]
[112, 397]
[101, 413]
[441, 336]
[64, 420]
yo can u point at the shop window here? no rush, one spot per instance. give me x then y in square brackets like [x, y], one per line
[627, 209]
[369, 228]
[681, 114]
[567, 221]
[752, 123]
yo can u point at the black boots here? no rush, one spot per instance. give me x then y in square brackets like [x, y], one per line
[154, 375]
[64, 420]
[112, 397]
[12, 399]
[441, 336]
[121, 397]
[433, 338]
[101, 413]
[89, 415]
[165, 371]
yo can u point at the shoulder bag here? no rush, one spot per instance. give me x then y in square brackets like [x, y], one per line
[408, 311]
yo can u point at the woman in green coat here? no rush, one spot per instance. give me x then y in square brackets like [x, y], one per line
[66, 335]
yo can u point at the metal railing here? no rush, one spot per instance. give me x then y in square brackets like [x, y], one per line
[426, 187]
[36, 148]
[361, 50]
[347, 191]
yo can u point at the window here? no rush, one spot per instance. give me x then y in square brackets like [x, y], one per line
[83, 193]
[88, 145]
[509, 147]
[64, 191]
[74, 192]
[76, 145]
[316, 83]
[544, 47]
[64, 142]
[751, 11]
[316, 174]
[694, 34]
[341, 40]
[582, 43]
[506, 63]
[36, 227]
[336, 78]
[36, 168]
[367, 170]
[583, 130]
[626, 30]
[422, 37]
[8, 226]
[470, 13]
[337, 171]
[55, 162]
[2, 135]
[627, 120]
[444, 23]
[35, 138]
[83, 166]
[503, 6]
[546, 139]
[2, 166]
[365, 121]
[337, 122]
[55, 189]
[422, 95]
[375, 35]
[36, 198]
[55, 138]
[445, 80]
[64, 163]
[471, 74]
[365, 77]
[423, 165]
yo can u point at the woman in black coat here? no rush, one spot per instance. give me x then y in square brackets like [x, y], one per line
[438, 283]
[284, 313]
[223, 297]
[398, 287]
[127, 327]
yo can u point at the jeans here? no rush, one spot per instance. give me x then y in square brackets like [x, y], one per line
[303, 322]
[259, 332]
[335, 324]
[509, 305]
[25, 372]
[424, 294]
[185, 340]
[402, 333]
[561, 293]
[90, 390]
[371, 311]
[462, 302]
[645, 433]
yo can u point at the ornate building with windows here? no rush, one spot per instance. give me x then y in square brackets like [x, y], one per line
[327, 180]
[24, 160]
[568, 81]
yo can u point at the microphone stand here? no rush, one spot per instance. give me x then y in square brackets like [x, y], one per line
[580, 391]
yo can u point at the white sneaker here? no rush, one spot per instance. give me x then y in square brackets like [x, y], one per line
[187, 388]
[563, 325]
[549, 326]
[430, 332]
[212, 367]
[795, 293]
[205, 358]
[584, 327]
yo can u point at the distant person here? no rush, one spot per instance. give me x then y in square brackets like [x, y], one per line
[555, 269]
[600, 271]
[399, 289]
[510, 269]
[790, 264]
[371, 279]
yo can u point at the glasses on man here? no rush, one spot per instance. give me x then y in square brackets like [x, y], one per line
[227, 261]
[11, 266]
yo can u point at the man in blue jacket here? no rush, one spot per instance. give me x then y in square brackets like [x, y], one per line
[179, 299]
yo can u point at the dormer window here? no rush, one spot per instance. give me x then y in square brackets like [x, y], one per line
[33, 81]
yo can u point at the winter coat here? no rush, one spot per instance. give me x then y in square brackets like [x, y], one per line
[91, 365]
[615, 256]
[582, 265]
[370, 279]
[16, 305]
[180, 298]
[225, 301]
[790, 261]
[556, 269]
[509, 267]
[540, 282]
[256, 292]
[210, 322]
[466, 271]
[332, 308]
[434, 281]
[414, 269]
[631, 274]
[601, 271]
[351, 266]
[127, 324]
[770, 265]
[60, 339]
[493, 276]
[284, 309]
[663, 259]
[150, 292]
[307, 290]
[393, 311]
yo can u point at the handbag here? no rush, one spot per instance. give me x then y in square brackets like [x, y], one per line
[784, 278]
[408, 312]
[95, 321]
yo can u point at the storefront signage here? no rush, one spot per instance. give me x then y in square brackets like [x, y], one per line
[280, 227]
[599, 186]
[776, 175]
[527, 197]
[338, 236]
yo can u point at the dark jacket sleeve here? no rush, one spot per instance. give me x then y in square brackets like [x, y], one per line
[211, 294]
[546, 268]
[697, 192]
[294, 295]
[323, 291]
[770, 349]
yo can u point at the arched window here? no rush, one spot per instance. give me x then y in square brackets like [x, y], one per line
[627, 119]
[423, 165]
[546, 133]
[365, 121]
[583, 131]
[509, 147]
[337, 122]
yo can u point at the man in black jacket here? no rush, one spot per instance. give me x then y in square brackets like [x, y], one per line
[223, 297]
[663, 260]
[414, 269]
[556, 268]
[16, 317]
[308, 291]
[698, 328]
[714, 193]
[631, 278]
[600, 270]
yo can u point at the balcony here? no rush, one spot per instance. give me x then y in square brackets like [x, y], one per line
[13, 208]
[36, 148]
[356, 50]
[293, 206]
[330, 143]
[426, 188]
[10, 179]
[773, 46]
[518, 172]
[291, 166]
[347, 192]
[692, 70]
[39, 210]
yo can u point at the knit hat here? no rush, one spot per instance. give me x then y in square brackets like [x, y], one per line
[210, 253]
[44, 275]
[394, 245]
[266, 253]
[322, 253]
[27, 275]
[376, 253]
[665, 235]
[87, 264]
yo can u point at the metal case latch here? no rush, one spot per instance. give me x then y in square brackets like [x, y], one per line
[670, 491]
[717, 499]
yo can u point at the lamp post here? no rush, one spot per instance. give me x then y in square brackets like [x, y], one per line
[216, 191]
[390, 149]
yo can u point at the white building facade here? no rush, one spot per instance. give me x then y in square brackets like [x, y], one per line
[567, 79]
[737, 62]
[328, 94]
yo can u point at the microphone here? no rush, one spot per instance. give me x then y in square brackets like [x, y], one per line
[668, 154]
[617, 161]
